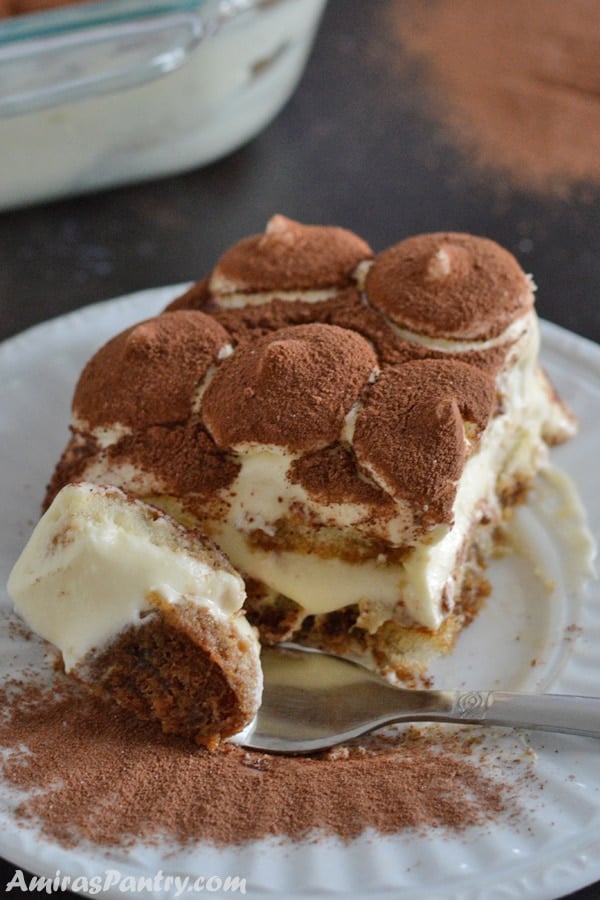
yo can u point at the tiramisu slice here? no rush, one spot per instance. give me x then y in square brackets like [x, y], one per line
[349, 428]
[143, 611]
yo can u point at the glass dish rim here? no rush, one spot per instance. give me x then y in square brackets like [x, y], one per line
[146, 39]
[90, 14]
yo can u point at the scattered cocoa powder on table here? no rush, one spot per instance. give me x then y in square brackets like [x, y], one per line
[517, 84]
[92, 772]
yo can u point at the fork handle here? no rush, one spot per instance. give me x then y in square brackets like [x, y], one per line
[568, 714]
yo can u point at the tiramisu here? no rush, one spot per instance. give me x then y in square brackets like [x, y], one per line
[142, 610]
[349, 428]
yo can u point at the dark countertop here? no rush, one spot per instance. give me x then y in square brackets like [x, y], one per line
[353, 148]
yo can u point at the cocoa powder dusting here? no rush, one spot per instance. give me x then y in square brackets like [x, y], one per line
[449, 285]
[517, 84]
[409, 411]
[93, 773]
[21, 7]
[290, 389]
[290, 256]
[147, 374]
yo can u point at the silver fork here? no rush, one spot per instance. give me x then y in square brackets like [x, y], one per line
[313, 700]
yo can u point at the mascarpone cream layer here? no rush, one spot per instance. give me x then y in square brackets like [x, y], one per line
[422, 585]
[93, 562]
[236, 299]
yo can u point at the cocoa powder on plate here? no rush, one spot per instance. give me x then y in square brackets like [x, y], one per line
[88, 771]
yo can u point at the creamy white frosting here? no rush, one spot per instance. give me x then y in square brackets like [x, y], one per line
[421, 587]
[94, 560]
[451, 345]
[229, 296]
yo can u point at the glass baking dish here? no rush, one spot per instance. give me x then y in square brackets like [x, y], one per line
[103, 93]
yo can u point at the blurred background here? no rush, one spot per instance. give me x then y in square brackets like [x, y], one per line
[411, 116]
[367, 141]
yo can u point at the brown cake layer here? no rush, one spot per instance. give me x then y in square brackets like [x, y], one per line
[142, 610]
[311, 400]
[194, 676]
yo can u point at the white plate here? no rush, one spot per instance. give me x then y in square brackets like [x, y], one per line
[556, 846]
